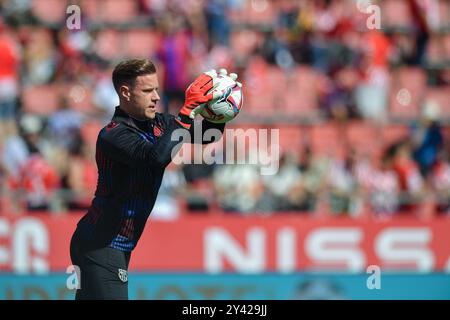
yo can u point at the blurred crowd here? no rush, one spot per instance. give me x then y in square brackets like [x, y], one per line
[315, 70]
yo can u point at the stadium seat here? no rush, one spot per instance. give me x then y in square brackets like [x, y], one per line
[92, 10]
[363, 136]
[407, 91]
[119, 11]
[301, 92]
[390, 16]
[446, 44]
[391, 134]
[140, 43]
[108, 44]
[259, 11]
[49, 11]
[244, 42]
[442, 97]
[43, 99]
[444, 13]
[79, 97]
[89, 132]
[327, 140]
[259, 97]
[435, 52]
[291, 137]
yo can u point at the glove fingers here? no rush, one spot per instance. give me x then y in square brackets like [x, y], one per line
[223, 72]
[207, 86]
[204, 78]
[233, 76]
[197, 111]
[212, 73]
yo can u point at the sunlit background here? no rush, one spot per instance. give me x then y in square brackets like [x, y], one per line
[359, 92]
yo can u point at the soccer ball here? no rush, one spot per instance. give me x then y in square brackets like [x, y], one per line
[228, 106]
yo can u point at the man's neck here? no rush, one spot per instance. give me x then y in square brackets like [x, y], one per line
[130, 114]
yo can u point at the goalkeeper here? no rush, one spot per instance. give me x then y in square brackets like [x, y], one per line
[132, 153]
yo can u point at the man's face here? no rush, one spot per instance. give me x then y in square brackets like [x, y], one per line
[144, 96]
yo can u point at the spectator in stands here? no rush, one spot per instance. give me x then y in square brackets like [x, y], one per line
[410, 180]
[174, 56]
[9, 80]
[173, 187]
[219, 27]
[372, 90]
[379, 185]
[104, 96]
[339, 102]
[314, 171]
[80, 178]
[199, 185]
[342, 185]
[440, 183]
[238, 187]
[30, 174]
[64, 125]
[427, 138]
[284, 188]
[40, 57]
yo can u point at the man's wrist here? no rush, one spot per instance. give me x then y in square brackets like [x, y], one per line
[184, 120]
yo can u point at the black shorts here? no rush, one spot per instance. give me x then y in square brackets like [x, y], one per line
[103, 272]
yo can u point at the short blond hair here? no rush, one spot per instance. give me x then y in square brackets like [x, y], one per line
[127, 71]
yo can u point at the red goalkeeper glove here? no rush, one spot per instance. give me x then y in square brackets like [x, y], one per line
[197, 94]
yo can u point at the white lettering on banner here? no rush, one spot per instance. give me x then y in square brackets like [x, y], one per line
[336, 248]
[30, 235]
[220, 245]
[286, 250]
[399, 246]
[4, 233]
[447, 266]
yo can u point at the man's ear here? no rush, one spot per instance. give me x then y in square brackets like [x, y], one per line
[125, 92]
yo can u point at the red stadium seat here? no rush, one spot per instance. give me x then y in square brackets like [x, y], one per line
[91, 9]
[301, 92]
[396, 13]
[51, 11]
[434, 51]
[140, 43]
[108, 44]
[363, 136]
[446, 45]
[259, 96]
[444, 12]
[327, 140]
[89, 132]
[292, 138]
[407, 91]
[442, 97]
[43, 99]
[79, 97]
[259, 11]
[391, 134]
[119, 11]
[244, 42]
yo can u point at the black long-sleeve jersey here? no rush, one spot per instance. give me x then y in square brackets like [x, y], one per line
[131, 157]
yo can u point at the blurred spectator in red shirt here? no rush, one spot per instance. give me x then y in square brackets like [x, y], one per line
[9, 80]
[410, 179]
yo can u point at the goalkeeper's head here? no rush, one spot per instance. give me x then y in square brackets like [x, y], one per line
[137, 85]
